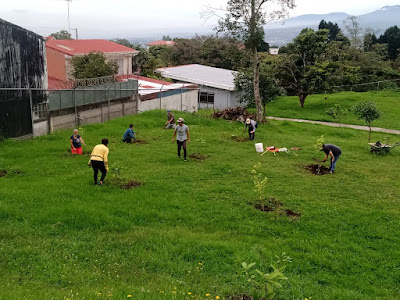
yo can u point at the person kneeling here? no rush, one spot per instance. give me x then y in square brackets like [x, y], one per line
[129, 135]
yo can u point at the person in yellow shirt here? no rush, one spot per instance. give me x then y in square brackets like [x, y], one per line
[99, 160]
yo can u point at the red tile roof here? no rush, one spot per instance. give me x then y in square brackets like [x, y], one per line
[161, 43]
[73, 47]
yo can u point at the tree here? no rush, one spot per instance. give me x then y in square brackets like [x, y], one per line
[334, 29]
[354, 30]
[391, 37]
[123, 42]
[367, 111]
[213, 51]
[269, 86]
[61, 35]
[370, 40]
[302, 69]
[244, 21]
[92, 65]
[337, 113]
[166, 38]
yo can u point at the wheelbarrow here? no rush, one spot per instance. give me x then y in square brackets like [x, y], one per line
[379, 148]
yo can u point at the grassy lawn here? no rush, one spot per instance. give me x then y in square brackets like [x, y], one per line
[316, 105]
[62, 237]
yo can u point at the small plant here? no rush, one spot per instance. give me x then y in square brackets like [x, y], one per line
[367, 111]
[337, 113]
[319, 143]
[260, 181]
[264, 285]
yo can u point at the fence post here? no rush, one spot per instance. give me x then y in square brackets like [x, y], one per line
[31, 104]
[76, 115]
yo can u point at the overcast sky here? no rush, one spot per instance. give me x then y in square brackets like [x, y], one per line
[138, 18]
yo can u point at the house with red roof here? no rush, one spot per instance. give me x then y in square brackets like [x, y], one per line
[160, 43]
[60, 53]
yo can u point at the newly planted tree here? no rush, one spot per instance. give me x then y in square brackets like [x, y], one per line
[367, 111]
[244, 20]
[337, 113]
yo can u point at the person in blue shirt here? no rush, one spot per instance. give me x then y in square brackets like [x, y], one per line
[129, 135]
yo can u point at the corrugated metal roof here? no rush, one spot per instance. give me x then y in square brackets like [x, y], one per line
[73, 47]
[202, 75]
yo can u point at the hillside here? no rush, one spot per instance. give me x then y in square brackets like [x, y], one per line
[282, 32]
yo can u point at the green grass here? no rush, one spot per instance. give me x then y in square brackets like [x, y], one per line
[316, 105]
[62, 237]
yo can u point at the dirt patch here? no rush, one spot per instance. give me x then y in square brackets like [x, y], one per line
[295, 148]
[292, 213]
[317, 169]
[275, 206]
[130, 185]
[240, 297]
[3, 173]
[198, 156]
[125, 184]
[239, 139]
[235, 114]
[140, 142]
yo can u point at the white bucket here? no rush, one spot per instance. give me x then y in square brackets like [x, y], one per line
[259, 147]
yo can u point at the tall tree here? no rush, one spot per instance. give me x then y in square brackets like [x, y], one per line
[269, 86]
[354, 30]
[244, 21]
[334, 29]
[61, 35]
[312, 65]
[92, 65]
[166, 38]
[392, 38]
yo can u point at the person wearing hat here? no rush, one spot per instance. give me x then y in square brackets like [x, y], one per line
[170, 124]
[99, 160]
[252, 128]
[182, 135]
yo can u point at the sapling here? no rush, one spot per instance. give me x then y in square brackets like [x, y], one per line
[337, 113]
[367, 111]
[260, 181]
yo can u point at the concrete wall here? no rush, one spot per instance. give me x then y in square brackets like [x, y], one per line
[187, 101]
[92, 114]
[222, 98]
[102, 112]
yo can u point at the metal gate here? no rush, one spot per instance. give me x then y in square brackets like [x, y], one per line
[15, 113]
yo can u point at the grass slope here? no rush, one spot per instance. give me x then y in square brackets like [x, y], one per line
[316, 105]
[62, 237]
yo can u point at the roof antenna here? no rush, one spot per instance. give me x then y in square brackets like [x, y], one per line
[69, 20]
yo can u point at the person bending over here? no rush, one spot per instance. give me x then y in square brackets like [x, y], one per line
[99, 161]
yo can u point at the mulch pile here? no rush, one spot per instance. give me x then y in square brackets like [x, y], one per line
[235, 114]
[3, 173]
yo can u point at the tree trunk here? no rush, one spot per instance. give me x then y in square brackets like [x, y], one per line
[256, 85]
[302, 98]
[369, 134]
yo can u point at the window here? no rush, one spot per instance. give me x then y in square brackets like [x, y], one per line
[207, 97]
[39, 111]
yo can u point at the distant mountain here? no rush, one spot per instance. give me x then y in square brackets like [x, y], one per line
[282, 32]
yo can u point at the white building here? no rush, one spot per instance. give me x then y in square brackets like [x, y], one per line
[217, 86]
[274, 51]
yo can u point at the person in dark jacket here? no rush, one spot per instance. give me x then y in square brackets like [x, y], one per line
[334, 152]
[129, 135]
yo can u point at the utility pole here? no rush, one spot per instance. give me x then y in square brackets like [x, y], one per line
[76, 32]
[69, 21]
